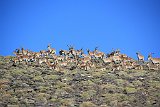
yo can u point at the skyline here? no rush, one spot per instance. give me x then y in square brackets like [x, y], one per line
[130, 26]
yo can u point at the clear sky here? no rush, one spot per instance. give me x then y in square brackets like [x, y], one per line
[130, 25]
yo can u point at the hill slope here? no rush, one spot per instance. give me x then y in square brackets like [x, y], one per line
[23, 85]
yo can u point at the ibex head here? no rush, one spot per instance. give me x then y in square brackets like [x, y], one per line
[70, 47]
[96, 48]
[49, 45]
[117, 50]
[150, 54]
[137, 53]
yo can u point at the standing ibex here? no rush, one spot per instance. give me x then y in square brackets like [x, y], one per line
[79, 52]
[63, 52]
[51, 50]
[17, 52]
[24, 52]
[72, 51]
[52, 65]
[153, 60]
[90, 53]
[140, 57]
[98, 54]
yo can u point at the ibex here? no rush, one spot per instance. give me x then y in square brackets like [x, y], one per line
[51, 50]
[72, 51]
[107, 60]
[63, 52]
[116, 59]
[98, 54]
[140, 57]
[84, 66]
[17, 52]
[90, 53]
[153, 60]
[52, 65]
[79, 52]
[24, 52]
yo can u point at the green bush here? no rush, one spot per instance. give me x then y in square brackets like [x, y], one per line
[38, 78]
[87, 104]
[130, 90]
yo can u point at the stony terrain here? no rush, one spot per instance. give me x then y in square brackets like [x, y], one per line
[34, 86]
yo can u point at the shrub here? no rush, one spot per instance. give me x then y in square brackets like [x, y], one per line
[87, 104]
[38, 78]
[130, 90]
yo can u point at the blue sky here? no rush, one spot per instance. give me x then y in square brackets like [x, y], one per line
[130, 25]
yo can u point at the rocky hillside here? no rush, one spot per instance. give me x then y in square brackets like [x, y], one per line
[38, 86]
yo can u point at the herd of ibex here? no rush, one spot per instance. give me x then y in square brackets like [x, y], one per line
[73, 59]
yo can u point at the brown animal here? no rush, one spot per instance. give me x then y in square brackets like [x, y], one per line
[43, 53]
[24, 52]
[84, 66]
[99, 55]
[116, 59]
[52, 65]
[90, 53]
[153, 60]
[140, 57]
[79, 52]
[85, 59]
[42, 60]
[51, 50]
[63, 52]
[17, 52]
[107, 60]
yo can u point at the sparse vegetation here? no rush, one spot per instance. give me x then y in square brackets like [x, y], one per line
[26, 85]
